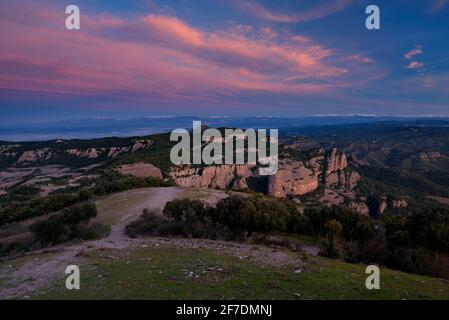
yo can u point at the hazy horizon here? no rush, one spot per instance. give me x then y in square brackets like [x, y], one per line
[90, 128]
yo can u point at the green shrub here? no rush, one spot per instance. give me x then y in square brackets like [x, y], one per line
[66, 225]
[152, 223]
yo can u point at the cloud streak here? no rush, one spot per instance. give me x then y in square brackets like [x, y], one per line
[414, 52]
[415, 65]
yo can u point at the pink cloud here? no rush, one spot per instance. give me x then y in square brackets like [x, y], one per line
[415, 65]
[414, 52]
[174, 28]
[166, 60]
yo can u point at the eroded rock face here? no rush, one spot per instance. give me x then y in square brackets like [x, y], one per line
[345, 179]
[292, 178]
[94, 153]
[115, 151]
[431, 155]
[401, 203]
[383, 205]
[360, 207]
[7, 151]
[239, 184]
[140, 169]
[337, 172]
[35, 155]
[90, 153]
[336, 161]
[295, 178]
[141, 144]
[217, 177]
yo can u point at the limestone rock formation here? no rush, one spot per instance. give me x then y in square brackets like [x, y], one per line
[239, 184]
[385, 203]
[141, 144]
[7, 151]
[345, 179]
[428, 156]
[292, 178]
[360, 207]
[91, 153]
[35, 155]
[140, 169]
[337, 171]
[336, 161]
[217, 177]
[382, 207]
[399, 203]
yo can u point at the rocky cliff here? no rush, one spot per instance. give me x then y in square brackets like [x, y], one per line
[35, 155]
[335, 161]
[295, 178]
[43, 154]
[337, 172]
[217, 177]
[292, 178]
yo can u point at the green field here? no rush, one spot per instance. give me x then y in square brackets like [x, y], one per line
[170, 273]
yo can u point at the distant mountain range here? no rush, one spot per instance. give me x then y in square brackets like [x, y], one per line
[108, 127]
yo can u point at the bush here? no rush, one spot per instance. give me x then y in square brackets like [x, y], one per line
[253, 214]
[13, 248]
[116, 182]
[66, 225]
[152, 223]
[194, 216]
[22, 210]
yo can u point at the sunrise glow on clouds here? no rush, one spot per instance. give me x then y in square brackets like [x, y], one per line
[148, 59]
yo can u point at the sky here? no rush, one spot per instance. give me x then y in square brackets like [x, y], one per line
[222, 58]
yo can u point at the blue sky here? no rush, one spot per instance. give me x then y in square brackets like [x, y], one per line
[222, 57]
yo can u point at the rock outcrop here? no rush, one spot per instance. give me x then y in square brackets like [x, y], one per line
[399, 203]
[360, 207]
[345, 179]
[383, 205]
[115, 151]
[336, 161]
[217, 177]
[140, 145]
[292, 178]
[239, 184]
[35, 155]
[8, 151]
[140, 169]
[91, 153]
[428, 156]
[337, 172]
[88, 153]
